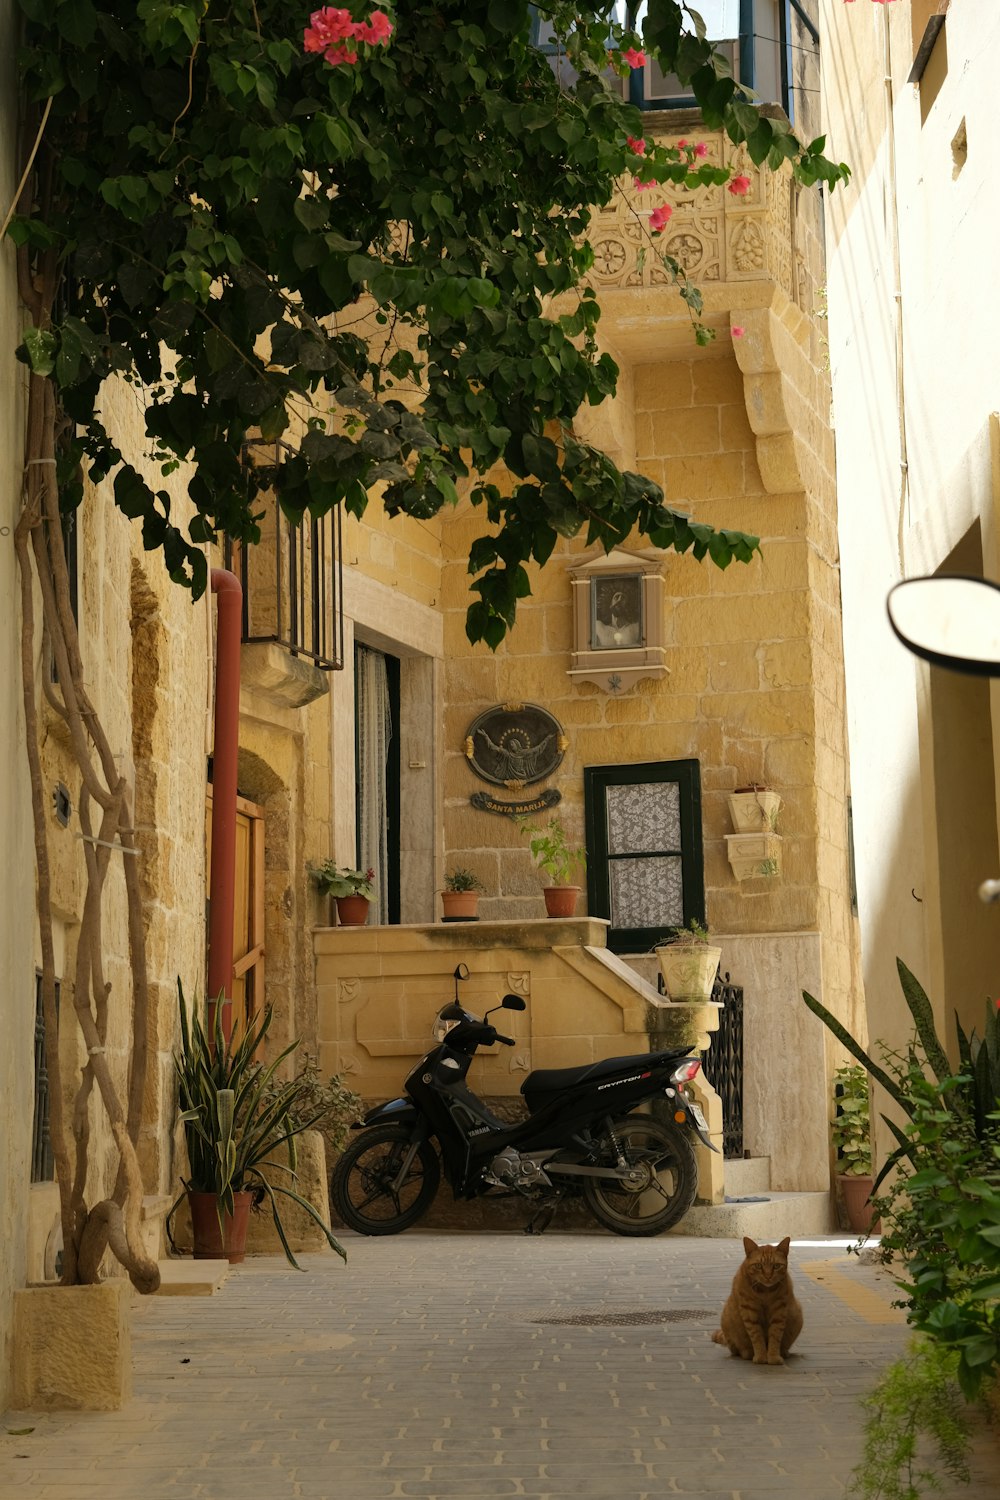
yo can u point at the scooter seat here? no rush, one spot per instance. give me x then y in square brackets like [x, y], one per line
[552, 1080]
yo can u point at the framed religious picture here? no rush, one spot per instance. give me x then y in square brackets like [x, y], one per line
[617, 619]
[616, 612]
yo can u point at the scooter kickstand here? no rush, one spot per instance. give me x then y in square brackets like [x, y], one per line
[540, 1221]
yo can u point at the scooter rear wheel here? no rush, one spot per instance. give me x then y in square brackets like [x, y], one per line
[668, 1186]
[363, 1191]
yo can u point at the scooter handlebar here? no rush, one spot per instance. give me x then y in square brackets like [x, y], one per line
[508, 1041]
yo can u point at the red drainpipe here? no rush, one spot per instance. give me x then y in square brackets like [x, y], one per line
[222, 891]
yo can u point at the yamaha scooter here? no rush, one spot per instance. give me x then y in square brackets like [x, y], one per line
[585, 1131]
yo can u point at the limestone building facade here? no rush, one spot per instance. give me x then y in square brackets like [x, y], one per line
[910, 101]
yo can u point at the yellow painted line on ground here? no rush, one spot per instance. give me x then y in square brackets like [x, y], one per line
[864, 1300]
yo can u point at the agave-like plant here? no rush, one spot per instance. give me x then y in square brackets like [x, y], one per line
[977, 1095]
[236, 1117]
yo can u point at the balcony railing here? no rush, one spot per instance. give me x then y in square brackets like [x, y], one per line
[755, 35]
[292, 577]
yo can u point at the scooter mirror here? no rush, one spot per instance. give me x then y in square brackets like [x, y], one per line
[513, 1002]
[461, 971]
[950, 622]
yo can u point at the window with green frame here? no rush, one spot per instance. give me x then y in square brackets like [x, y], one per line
[645, 864]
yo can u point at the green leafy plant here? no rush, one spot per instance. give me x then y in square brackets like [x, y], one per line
[941, 1207]
[851, 1127]
[323, 1104]
[334, 880]
[462, 880]
[552, 851]
[238, 1116]
[915, 1402]
[231, 197]
[695, 933]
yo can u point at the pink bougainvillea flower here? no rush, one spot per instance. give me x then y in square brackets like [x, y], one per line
[379, 28]
[642, 187]
[660, 217]
[636, 144]
[736, 331]
[339, 54]
[327, 27]
[740, 186]
[701, 149]
[332, 28]
[681, 144]
[635, 59]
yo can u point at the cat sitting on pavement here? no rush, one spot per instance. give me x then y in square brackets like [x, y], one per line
[761, 1319]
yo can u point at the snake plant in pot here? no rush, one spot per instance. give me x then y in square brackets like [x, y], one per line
[238, 1118]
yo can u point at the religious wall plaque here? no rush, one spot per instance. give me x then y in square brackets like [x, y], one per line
[527, 807]
[515, 744]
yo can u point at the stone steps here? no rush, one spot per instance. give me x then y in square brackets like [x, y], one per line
[769, 1218]
[191, 1278]
[800, 1215]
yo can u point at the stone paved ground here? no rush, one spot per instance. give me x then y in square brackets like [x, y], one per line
[424, 1369]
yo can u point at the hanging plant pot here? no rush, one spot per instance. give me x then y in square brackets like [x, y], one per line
[212, 1242]
[855, 1191]
[689, 970]
[560, 900]
[460, 906]
[352, 911]
[754, 809]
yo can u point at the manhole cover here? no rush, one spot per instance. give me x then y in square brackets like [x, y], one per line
[630, 1319]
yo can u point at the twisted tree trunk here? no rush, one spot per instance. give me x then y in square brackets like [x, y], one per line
[115, 1222]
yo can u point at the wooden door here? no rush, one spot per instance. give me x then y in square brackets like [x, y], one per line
[248, 914]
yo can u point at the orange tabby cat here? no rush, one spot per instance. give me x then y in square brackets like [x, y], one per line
[761, 1319]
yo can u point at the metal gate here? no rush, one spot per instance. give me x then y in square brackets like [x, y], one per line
[722, 1063]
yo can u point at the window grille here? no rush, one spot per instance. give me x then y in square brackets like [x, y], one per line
[42, 1165]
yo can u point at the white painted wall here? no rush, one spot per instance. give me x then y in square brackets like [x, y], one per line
[17, 908]
[922, 343]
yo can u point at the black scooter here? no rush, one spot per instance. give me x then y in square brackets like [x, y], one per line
[637, 1172]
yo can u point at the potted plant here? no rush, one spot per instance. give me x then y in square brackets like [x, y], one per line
[754, 809]
[851, 1135]
[689, 963]
[554, 856]
[351, 890]
[237, 1116]
[460, 897]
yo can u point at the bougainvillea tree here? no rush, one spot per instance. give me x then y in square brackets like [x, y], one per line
[210, 194]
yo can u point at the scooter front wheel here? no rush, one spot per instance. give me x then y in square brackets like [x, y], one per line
[666, 1182]
[365, 1191]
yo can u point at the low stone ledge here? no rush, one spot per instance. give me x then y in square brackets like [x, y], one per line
[72, 1347]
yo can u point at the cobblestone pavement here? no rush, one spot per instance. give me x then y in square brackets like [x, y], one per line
[431, 1366]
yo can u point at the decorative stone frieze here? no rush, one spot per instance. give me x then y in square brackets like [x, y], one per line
[715, 235]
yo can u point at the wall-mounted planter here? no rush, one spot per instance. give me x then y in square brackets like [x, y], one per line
[754, 856]
[754, 810]
[689, 970]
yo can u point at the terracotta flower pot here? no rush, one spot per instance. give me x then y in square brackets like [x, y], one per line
[854, 1192]
[560, 900]
[211, 1242]
[460, 906]
[352, 911]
